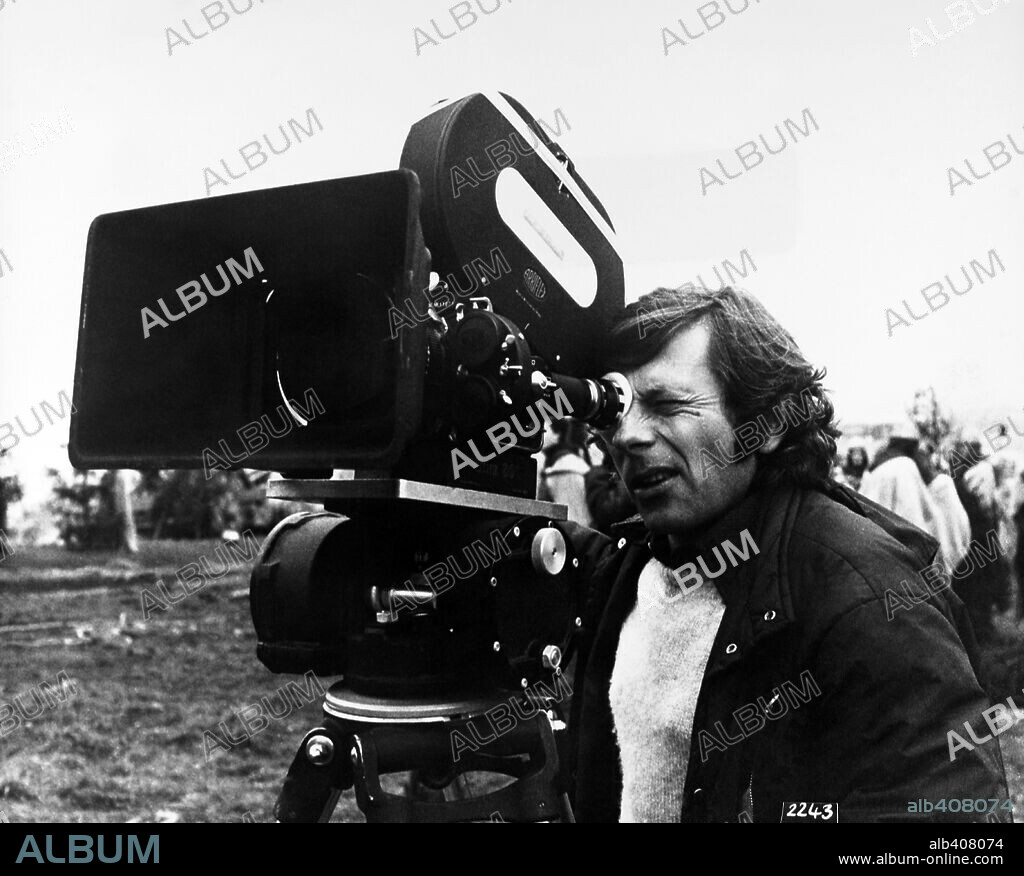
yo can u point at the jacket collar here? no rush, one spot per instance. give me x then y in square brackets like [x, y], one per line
[748, 514]
[759, 602]
[759, 592]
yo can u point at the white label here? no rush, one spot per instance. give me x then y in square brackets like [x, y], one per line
[544, 234]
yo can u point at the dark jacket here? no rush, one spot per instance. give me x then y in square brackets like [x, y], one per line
[838, 703]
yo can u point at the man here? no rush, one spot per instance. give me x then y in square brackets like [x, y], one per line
[737, 651]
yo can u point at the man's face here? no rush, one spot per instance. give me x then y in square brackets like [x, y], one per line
[677, 411]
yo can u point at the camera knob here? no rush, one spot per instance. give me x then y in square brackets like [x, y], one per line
[551, 657]
[548, 551]
[320, 750]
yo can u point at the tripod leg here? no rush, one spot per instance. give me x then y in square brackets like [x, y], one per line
[315, 780]
[567, 816]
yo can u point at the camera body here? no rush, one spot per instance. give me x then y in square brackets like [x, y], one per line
[393, 345]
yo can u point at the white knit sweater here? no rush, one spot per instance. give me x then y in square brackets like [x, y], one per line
[659, 665]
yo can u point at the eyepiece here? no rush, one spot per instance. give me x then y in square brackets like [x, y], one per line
[599, 403]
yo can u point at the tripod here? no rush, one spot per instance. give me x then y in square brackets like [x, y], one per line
[434, 690]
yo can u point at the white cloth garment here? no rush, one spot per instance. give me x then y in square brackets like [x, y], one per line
[659, 666]
[898, 485]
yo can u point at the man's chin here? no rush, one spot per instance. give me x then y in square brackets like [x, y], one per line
[670, 514]
[662, 520]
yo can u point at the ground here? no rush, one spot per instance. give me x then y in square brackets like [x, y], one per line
[127, 744]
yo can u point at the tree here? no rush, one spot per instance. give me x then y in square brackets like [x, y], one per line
[87, 517]
[128, 539]
[10, 492]
[932, 427]
[187, 504]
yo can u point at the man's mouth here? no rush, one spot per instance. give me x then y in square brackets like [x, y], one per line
[651, 480]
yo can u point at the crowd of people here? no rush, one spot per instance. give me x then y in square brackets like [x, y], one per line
[967, 500]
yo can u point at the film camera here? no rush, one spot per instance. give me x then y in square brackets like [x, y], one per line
[391, 344]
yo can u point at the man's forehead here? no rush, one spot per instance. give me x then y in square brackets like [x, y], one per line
[680, 365]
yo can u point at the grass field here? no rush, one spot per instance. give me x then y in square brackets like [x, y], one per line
[128, 745]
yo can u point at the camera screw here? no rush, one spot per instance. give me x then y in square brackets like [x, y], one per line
[494, 582]
[506, 368]
[515, 531]
[497, 647]
[523, 683]
[575, 562]
[578, 622]
[320, 750]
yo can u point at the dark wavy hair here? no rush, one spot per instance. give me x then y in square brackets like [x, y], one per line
[757, 363]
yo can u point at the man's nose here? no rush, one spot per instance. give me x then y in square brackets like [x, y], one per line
[633, 431]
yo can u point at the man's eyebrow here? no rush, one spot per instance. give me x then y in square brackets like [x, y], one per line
[650, 393]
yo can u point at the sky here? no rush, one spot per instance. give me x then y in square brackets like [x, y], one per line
[105, 109]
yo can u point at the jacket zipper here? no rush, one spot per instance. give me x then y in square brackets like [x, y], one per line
[750, 794]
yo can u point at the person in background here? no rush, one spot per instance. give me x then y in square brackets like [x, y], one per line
[899, 480]
[565, 466]
[855, 465]
[608, 500]
[985, 584]
[954, 524]
[1008, 467]
[1018, 559]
